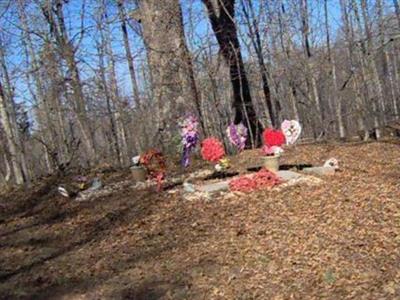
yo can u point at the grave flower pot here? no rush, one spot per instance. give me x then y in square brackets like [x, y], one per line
[139, 173]
[271, 162]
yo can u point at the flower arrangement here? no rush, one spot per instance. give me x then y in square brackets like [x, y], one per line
[154, 162]
[213, 151]
[237, 135]
[190, 137]
[291, 129]
[260, 180]
[273, 141]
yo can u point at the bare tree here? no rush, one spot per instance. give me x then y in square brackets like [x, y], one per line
[337, 99]
[128, 52]
[312, 88]
[173, 83]
[53, 12]
[8, 122]
[255, 37]
[221, 14]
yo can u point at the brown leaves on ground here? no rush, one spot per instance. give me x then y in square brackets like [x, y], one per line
[337, 240]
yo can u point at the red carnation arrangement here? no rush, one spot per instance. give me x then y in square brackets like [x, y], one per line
[212, 150]
[273, 137]
[273, 141]
[261, 180]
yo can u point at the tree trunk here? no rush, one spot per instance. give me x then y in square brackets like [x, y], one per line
[128, 53]
[222, 14]
[119, 114]
[359, 104]
[48, 130]
[254, 31]
[368, 70]
[53, 13]
[173, 83]
[54, 88]
[312, 89]
[387, 78]
[7, 118]
[337, 99]
[285, 44]
[110, 111]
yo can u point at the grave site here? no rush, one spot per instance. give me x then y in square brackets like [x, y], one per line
[199, 149]
[320, 222]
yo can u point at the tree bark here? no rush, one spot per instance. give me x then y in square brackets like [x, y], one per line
[221, 14]
[359, 103]
[312, 89]
[7, 118]
[254, 31]
[285, 43]
[115, 95]
[53, 13]
[337, 99]
[173, 83]
[387, 78]
[128, 53]
[368, 70]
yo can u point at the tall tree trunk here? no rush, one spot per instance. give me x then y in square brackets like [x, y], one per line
[359, 104]
[222, 14]
[173, 82]
[53, 13]
[396, 81]
[55, 90]
[310, 78]
[387, 77]
[128, 53]
[43, 115]
[7, 91]
[368, 68]
[119, 114]
[137, 113]
[254, 31]
[110, 109]
[7, 118]
[285, 44]
[337, 99]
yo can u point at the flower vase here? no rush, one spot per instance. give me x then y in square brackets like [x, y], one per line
[139, 173]
[271, 162]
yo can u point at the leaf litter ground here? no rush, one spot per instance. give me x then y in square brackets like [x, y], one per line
[336, 240]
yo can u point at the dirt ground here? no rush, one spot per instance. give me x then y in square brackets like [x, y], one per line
[338, 240]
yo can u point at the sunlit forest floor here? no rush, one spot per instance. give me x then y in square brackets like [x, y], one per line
[337, 240]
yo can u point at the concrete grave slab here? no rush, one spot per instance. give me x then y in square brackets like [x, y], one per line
[323, 171]
[214, 187]
[288, 175]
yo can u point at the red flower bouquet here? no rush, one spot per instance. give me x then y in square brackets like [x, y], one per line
[273, 137]
[212, 150]
[273, 141]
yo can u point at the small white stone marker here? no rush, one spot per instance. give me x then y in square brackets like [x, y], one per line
[63, 192]
[332, 162]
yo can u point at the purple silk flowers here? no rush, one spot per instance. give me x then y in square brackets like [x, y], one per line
[190, 137]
